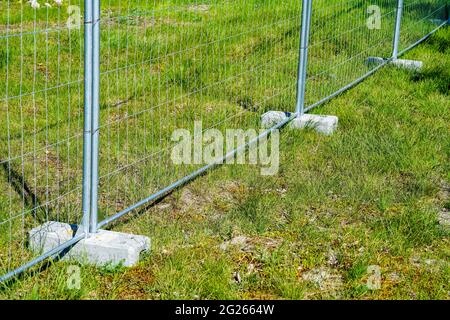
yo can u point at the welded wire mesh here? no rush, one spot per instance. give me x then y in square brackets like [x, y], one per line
[41, 126]
[419, 18]
[223, 63]
[167, 64]
[344, 34]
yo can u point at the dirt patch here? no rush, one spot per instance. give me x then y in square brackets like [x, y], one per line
[444, 191]
[247, 244]
[133, 284]
[202, 8]
[394, 277]
[233, 190]
[228, 195]
[333, 261]
[430, 265]
[444, 218]
[444, 196]
[325, 279]
[190, 200]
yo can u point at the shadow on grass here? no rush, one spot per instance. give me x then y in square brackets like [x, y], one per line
[22, 188]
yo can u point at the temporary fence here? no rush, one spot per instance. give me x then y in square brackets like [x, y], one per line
[91, 94]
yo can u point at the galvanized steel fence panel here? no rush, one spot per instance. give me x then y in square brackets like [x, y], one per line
[219, 62]
[342, 38]
[420, 19]
[41, 126]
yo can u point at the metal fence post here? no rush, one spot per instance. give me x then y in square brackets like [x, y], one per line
[95, 114]
[398, 23]
[87, 139]
[303, 56]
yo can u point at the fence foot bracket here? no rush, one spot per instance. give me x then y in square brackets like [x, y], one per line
[400, 63]
[100, 249]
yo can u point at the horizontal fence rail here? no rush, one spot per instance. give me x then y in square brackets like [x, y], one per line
[91, 95]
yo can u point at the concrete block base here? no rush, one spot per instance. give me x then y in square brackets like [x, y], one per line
[408, 64]
[102, 248]
[322, 124]
[400, 63]
[272, 118]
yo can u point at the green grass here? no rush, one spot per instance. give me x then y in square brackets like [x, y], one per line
[368, 195]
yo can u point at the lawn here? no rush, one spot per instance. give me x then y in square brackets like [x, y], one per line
[376, 193]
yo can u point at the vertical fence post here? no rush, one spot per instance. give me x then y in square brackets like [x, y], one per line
[303, 56]
[398, 23]
[87, 139]
[95, 113]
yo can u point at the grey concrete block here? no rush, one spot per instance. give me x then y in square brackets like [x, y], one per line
[400, 63]
[408, 64]
[102, 248]
[272, 118]
[322, 124]
[49, 235]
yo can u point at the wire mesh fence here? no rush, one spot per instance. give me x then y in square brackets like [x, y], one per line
[219, 62]
[164, 65]
[420, 18]
[41, 127]
[343, 35]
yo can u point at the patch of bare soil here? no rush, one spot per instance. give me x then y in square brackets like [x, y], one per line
[444, 195]
[247, 244]
[326, 279]
[199, 7]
